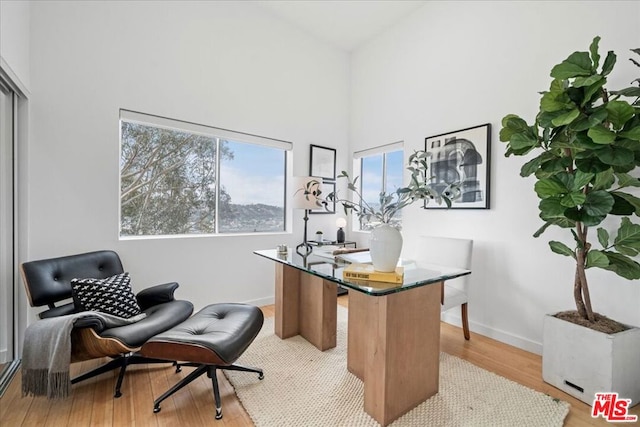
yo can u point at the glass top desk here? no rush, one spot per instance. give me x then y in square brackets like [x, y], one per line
[393, 337]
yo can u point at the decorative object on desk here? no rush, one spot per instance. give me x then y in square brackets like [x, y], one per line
[335, 396]
[306, 196]
[283, 249]
[420, 187]
[385, 245]
[586, 142]
[367, 272]
[462, 157]
[319, 236]
[340, 223]
[322, 162]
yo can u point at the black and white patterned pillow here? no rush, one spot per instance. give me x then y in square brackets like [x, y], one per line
[112, 295]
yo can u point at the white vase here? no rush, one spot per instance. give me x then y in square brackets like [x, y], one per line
[385, 245]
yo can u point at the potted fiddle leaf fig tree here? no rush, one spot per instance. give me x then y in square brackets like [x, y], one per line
[585, 142]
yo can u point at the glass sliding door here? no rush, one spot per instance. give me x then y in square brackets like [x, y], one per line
[7, 258]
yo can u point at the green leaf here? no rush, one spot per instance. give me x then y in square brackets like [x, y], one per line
[633, 133]
[512, 124]
[601, 135]
[532, 165]
[626, 180]
[628, 91]
[542, 229]
[566, 118]
[586, 81]
[615, 156]
[596, 259]
[548, 187]
[621, 206]
[592, 165]
[603, 237]
[598, 203]
[523, 140]
[622, 265]
[609, 62]
[561, 248]
[628, 237]
[554, 101]
[593, 90]
[580, 179]
[573, 199]
[604, 180]
[593, 49]
[577, 64]
[551, 208]
[633, 200]
[619, 113]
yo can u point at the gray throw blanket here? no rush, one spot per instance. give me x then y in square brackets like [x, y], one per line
[46, 355]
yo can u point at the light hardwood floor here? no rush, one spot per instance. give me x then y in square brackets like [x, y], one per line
[92, 402]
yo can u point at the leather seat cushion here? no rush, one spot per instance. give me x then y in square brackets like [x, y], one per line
[224, 329]
[159, 318]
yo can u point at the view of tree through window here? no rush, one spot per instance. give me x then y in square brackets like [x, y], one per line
[170, 183]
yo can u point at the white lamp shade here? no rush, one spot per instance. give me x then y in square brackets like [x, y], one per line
[341, 222]
[301, 188]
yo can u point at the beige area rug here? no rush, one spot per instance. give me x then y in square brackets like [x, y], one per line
[305, 387]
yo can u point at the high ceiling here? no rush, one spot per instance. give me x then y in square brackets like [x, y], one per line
[346, 24]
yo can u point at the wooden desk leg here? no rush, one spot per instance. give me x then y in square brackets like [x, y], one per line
[318, 311]
[287, 308]
[358, 326]
[399, 350]
[305, 305]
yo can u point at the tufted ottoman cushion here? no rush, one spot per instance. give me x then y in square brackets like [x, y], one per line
[216, 335]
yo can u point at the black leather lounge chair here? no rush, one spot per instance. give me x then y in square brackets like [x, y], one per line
[48, 282]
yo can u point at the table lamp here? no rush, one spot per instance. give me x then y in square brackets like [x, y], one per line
[340, 223]
[305, 196]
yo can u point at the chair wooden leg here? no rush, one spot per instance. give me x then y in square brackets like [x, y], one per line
[465, 321]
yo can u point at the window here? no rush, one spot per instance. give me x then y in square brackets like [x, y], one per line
[181, 178]
[381, 169]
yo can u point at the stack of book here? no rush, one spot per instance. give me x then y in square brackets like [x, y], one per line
[359, 271]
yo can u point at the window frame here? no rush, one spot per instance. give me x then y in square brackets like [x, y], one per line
[358, 166]
[218, 135]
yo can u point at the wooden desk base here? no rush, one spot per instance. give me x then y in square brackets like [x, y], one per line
[394, 347]
[306, 305]
[393, 340]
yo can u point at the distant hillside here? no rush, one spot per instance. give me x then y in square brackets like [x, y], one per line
[251, 218]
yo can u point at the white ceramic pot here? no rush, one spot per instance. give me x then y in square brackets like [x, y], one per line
[385, 245]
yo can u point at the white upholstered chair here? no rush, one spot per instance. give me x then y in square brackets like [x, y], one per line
[450, 252]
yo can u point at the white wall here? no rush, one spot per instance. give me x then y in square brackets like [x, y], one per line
[225, 64]
[14, 40]
[453, 65]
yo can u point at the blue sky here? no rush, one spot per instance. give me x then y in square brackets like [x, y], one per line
[255, 175]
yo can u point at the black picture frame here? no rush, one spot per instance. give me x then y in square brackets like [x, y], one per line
[322, 162]
[462, 156]
[327, 188]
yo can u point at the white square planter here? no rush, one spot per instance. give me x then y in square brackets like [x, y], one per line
[583, 362]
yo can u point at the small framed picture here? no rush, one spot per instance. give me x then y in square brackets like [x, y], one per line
[322, 162]
[462, 157]
[327, 188]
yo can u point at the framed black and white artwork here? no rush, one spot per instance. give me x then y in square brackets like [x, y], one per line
[326, 188]
[322, 162]
[461, 157]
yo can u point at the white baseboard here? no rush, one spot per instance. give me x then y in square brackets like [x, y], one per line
[4, 356]
[496, 334]
[262, 301]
